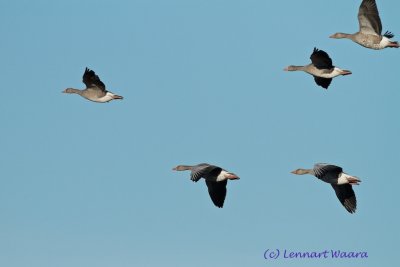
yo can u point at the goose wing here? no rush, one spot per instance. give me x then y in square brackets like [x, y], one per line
[217, 191]
[327, 172]
[90, 79]
[321, 60]
[323, 82]
[368, 18]
[346, 196]
[202, 170]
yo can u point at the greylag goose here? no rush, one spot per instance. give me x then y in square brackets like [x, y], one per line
[95, 89]
[370, 33]
[340, 181]
[216, 179]
[321, 68]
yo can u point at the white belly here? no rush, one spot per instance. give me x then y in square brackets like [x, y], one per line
[106, 98]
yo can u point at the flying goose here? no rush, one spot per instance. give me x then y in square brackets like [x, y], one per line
[340, 181]
[95, 89]
[321, 68]
[370, 33]
[216, 179]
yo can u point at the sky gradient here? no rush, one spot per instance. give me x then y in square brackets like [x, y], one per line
[88, 184]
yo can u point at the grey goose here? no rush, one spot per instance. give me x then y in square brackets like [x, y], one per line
[370, 31]
[340, 181]
[95, 89]
[321, 68]
[215, 177]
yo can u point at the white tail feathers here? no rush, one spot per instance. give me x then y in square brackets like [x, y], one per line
[344, 178]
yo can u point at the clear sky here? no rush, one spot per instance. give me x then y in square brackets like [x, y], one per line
[88, 184]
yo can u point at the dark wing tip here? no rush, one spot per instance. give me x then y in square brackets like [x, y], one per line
[88, 73]
[388, 34]
[325, 86]
[319, 51]
[195, 177]
[90, 77]
[217, 192]
[346, 196]
[350, 204]
[218, 203]
[218, 199]
[323, 82]
[321, 59]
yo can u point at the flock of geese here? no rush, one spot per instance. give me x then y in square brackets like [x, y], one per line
[369, 36]
[321, 67]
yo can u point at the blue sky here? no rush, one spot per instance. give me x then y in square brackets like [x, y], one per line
[88, 184]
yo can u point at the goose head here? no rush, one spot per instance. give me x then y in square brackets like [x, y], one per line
[293, 68]
[69, 91]
[181, 168]
[339, 35]
[300, 171]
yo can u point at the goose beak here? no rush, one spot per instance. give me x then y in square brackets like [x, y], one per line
[174, 169]
[294, 172]
[332, 36]
[346, 72]
[64, 91]
[286, 69]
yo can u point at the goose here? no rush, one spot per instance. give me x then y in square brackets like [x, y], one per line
[216, 179]
[95, 89]
[321, 68]
[370, 33]
[340, 181]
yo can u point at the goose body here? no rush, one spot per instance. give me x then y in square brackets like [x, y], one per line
[321, 68]
[340, 181]
[215, 177]
[95, 89]
[370, 30]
